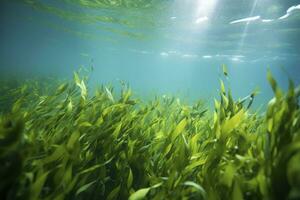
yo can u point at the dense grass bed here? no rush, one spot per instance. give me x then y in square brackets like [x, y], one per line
[64, 143]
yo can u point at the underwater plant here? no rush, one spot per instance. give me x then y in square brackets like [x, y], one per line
[59, 141]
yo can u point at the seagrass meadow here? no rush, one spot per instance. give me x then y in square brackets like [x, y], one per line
[149, 100]
[59, 141]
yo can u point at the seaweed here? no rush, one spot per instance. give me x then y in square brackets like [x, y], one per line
[59, 141]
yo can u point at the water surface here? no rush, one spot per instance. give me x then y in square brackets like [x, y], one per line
[171, 47]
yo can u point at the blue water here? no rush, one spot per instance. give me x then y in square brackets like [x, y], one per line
[173, 47]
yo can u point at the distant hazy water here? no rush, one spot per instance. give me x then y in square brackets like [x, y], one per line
[161, 47]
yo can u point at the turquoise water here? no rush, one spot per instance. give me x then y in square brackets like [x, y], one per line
[174, 47]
